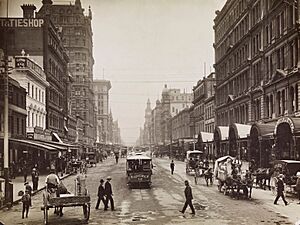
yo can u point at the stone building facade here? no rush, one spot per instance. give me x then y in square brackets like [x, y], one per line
[203, 103]
[101, 98]
[33, 78]
[44, 45]
[257, 70]
[77, 34]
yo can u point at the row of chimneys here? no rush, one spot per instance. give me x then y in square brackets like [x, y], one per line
[28, 9]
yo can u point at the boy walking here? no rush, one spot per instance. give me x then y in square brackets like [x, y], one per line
[26, 200]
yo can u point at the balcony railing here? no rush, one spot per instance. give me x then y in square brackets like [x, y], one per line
[22, 62]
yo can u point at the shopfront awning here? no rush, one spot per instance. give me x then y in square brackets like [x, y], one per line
[241, 130]
[32, 143]
[262, 130]
[55, 135]
[221, 132]
[205, 137]
[53, 145]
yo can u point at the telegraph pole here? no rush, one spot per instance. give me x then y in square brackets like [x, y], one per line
[5, 138]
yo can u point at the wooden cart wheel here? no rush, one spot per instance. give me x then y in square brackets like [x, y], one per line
[46, 215]
[86, 211]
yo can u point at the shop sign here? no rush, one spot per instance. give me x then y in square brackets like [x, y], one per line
[21, 22]
[285, 120]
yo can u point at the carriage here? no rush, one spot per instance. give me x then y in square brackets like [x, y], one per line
[289, 169]
[192, 160]
[231, 179]
[81, 198]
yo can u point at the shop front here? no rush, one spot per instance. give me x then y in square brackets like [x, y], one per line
[205, 143]
[260, 144]
[238, 140]
[221, 141]
[287, 138]
[28, 153]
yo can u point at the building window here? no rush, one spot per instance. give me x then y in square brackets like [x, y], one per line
[18, 125]
[28, 119]
[28, 89]
[32, 90]
[32, 117]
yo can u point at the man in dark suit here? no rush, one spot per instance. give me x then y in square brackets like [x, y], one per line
[172, 166]
[280, 190]
[101, 193]
[108, 193]
[188, 198]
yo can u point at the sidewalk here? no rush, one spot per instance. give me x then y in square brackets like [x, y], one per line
[18, 185]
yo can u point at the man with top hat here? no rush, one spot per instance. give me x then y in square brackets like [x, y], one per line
[108, 194]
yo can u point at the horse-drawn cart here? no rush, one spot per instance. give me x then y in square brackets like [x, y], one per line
[58, 201]
[231, 179]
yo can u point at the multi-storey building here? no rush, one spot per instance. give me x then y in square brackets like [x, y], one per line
[147, 124]
[173, 101]
[77, 33]
[209, 104]
[203, 100]
[16, 119]
[33, 78]
[257, 72]
[44, 45]
[156, 132]
[101, 97]
[116, 133]
[110, 124]
[181, 125]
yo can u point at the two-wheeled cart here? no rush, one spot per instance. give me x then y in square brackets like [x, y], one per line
[65, 200]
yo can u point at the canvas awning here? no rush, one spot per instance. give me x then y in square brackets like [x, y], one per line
[55, 135]
[222, 132]
[241, 130]
[205, 137]
[262, 130]
[34, 144]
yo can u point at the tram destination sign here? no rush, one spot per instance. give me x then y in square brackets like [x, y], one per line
[21, 22]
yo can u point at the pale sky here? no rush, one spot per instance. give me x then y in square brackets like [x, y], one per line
[142, 45]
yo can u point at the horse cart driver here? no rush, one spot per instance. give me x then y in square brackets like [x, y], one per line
[53, 188]
[52, 181]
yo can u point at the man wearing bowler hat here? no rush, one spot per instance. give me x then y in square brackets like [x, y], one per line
[280, 190]
[108, 194]
[101, 193]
